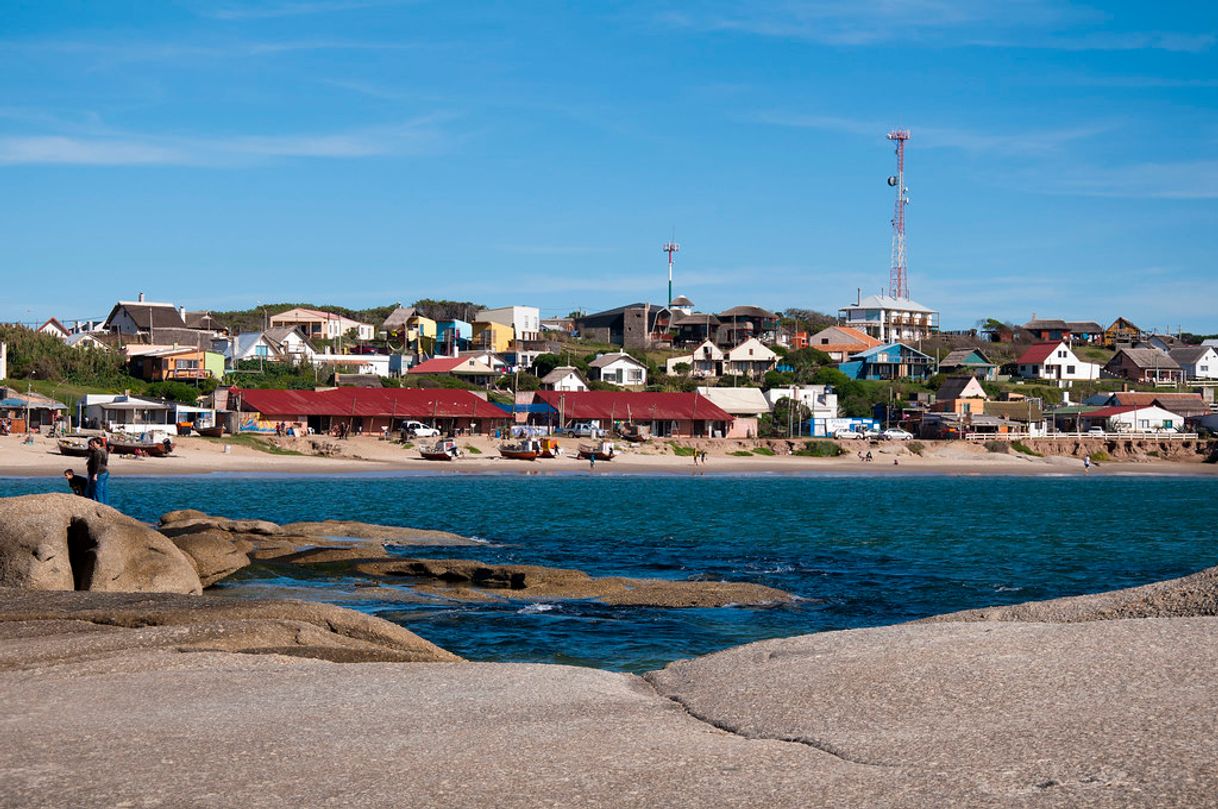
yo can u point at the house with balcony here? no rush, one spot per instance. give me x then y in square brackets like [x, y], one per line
[489, 335]
[969, 361]
[750, 359]
[705, 361]
[453, 337]
[888, 361]
[890, 319]
[319, 325]
[1145, 366]
[1122, 332]
[741, 323]
[183, 364]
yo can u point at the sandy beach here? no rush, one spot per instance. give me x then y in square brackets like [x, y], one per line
[364, 454]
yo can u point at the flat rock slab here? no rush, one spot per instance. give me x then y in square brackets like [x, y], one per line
[465, 579]
[1188, 596]
[258, 732]
[389, 534]
[45, 628]
[1107, 713]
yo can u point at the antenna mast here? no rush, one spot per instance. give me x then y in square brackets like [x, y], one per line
[898, 280]
[670, 248]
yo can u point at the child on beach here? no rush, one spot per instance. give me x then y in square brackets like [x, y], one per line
[75, 482]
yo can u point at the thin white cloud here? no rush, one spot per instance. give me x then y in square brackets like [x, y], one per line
[978, 23]
[420, 136]
[1192, 179]
[937, 137]
[288, 8]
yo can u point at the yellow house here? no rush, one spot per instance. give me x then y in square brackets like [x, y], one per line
[493, 336]
[421, 334]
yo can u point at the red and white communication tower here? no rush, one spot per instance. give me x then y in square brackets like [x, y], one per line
[898, 280]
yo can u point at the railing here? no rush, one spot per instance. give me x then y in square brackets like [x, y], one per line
[1157, 435]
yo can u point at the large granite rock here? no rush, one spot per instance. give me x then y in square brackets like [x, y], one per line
[65, 542]
[1105, 713]
[215, 554]
[177, 523]
[44, 628]
[1192, 595]
[471, 579]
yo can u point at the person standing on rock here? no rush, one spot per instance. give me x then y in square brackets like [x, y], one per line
[98, 469]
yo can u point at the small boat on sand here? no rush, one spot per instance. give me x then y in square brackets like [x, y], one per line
[604, 451]
[527, 450]
[153, 449]
[215, 431]
[74, 447]
[634, 433]
[445, 450]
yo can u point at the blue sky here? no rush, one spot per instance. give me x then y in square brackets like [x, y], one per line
[220, 153]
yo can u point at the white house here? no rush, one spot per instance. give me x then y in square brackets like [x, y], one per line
[751, 358]
[705, 361]
[54, 328]
[84, 339]
[1055, 362]
[619, 369]
[890, 319]
[1132, 418]
[746, 404]
[564, 378]
[820, 400]
[524, 320]
[1198, 362]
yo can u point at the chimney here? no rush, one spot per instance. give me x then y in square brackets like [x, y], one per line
[182, 313]
[141, 297]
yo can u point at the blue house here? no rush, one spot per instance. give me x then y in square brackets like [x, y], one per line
[890, 361]
[453, 336]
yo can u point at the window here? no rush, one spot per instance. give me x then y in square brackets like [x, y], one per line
[186, 365]
[1069, 369]
[261, 351]
[636, 375]
[1061, 354]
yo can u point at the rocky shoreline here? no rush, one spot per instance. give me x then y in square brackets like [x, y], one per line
[115, 697]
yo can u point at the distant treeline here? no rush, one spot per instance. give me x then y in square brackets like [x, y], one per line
[256, 319]
[34, 355]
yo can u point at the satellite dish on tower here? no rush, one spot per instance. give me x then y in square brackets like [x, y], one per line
[892, 181]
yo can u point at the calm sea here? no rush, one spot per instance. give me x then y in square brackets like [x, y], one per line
[861, 551]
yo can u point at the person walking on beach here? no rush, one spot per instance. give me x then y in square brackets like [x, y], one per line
[76, 482]
[98, 471]
[1086, 463]
[591, 461]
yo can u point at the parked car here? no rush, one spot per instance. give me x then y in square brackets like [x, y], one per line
[583, 429]
[896, 434]
[419, 430]
[1097, 432]
[846, 433]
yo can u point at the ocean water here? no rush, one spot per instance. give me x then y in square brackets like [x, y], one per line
[859, 551]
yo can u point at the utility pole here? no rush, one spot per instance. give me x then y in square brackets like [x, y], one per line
[670, 248]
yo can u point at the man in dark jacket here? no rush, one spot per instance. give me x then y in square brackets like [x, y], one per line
[76, 482]
[98, 472]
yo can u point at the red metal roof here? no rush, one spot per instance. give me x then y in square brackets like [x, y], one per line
[1037, 354]
[608, 405]
[1108, 412]
[394, 402]
[438, 365]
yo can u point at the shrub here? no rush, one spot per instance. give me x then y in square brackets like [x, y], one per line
[820, 449]
[742, 453]
[997, 446]
[683, 451]
[764, 451]
[1020, 446]
[1100, 455]
[916, 447]
[472, 450]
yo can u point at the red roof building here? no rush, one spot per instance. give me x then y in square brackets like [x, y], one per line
[368, 409]
[667, 414]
